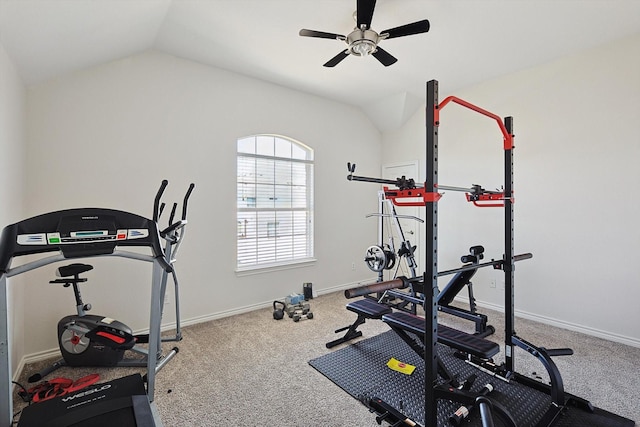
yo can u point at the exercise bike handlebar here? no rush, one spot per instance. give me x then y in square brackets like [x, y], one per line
[175, 231]
[173, 213]
[186, 200]
[173, 226]
[156, 203]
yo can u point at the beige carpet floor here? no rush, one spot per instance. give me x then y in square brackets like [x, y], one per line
[252, 370]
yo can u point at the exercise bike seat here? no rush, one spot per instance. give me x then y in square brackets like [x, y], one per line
[72, 269]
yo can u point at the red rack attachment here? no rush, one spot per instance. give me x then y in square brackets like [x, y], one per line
[487, 200]
[413, 193]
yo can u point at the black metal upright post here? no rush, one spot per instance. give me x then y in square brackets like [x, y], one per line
[381, 230]
[431, 258]
[509, 263]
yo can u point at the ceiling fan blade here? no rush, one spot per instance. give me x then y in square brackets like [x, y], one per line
[384, 57]
[321, 34]
[407, 30]
[364, 11]
[337, 59]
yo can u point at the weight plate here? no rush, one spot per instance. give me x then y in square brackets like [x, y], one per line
[375, 258]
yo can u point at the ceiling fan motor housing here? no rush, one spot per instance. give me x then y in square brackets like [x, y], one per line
[362, 42]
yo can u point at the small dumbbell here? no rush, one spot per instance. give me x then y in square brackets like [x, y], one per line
[298, 317]
[301, 312]
[298, 308]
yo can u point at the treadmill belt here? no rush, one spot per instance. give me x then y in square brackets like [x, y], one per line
[360, 369]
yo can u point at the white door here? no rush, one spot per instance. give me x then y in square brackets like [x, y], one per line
[410, 227]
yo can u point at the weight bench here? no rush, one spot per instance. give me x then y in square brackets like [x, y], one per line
[455, 286]
[365, 308]
[402, 322]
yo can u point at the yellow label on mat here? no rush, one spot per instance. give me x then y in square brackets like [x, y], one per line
[399, 366]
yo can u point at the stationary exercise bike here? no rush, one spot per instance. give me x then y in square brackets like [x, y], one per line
[98, 341]
[86, 339]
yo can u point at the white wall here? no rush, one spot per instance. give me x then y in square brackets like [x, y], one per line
[576, 173]
[12, 124]
[107, 136]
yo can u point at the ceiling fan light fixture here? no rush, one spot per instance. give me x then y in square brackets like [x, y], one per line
[362, 42]
[362, 47]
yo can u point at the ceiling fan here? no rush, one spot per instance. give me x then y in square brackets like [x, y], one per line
[363, 41]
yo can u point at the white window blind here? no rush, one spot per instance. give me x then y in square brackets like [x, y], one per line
[274, 202]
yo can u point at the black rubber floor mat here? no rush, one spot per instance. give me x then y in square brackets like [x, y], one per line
[360, 369]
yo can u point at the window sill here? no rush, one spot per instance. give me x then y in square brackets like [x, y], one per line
[248, 271]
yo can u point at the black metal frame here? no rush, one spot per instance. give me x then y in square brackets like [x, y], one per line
[556, 389]
[431, 259]
[431, 254]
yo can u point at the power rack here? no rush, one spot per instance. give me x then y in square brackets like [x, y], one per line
[506, 200]
[558, 407]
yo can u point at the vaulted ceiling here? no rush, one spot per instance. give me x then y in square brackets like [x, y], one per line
[469, 40]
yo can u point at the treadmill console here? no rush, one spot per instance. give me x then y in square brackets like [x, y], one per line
[78, 233]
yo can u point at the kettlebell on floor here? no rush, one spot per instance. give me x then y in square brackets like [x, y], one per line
[278, 313]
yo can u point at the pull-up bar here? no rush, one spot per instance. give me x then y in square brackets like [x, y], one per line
[507, 137]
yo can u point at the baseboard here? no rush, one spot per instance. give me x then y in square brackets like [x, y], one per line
[630, 341]
[347, 286]
[265, 304]
[226, 313]
[34, 357]
[41, 355]
[18, 370]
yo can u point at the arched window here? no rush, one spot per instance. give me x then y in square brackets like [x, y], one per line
[274, 202]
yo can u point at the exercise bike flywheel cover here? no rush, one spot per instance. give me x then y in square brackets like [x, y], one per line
[73, 342]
